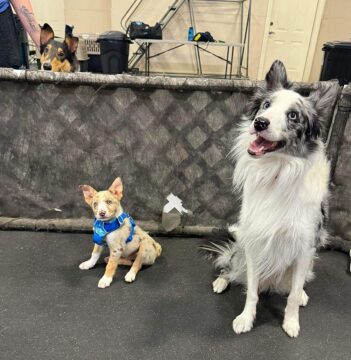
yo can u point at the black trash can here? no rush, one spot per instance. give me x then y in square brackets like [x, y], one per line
[337, 62]
[114, 50]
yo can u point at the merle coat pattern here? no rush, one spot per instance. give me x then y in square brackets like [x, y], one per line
[283, 173]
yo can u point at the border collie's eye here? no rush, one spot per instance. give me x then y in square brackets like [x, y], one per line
[292, 115]
[266, 105]
[46, 50]
[95, 204]
[60, 53]
[108, 202]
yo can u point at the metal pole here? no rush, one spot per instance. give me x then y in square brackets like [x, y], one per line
[226, 63]
[246, 39]
[241, 37]
[124, 25]
[231, 63]
[192, 22]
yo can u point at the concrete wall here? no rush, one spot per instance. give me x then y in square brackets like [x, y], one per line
[51, 12]
[88, 16]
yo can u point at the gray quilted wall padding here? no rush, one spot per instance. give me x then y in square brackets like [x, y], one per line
[54, 138]
[340, 201]
[160, 135]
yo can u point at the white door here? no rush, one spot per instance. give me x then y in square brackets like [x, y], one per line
[289, 30]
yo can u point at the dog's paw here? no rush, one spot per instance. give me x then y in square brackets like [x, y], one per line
[291, 327]
[243, 323]
[104, 282]
[86, 265]
[219, 285]
[130, 276]
[304, 299]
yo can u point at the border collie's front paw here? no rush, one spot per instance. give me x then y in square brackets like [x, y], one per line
[219, 285]
[243, 323]
[291, 327]
[86, 265]
[104, 282]
[130, 276]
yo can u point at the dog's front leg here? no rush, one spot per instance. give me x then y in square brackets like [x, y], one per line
[138, 263]
[95, 255]
[111, 268]
[244, 322]
[300, 269]
[115, 241]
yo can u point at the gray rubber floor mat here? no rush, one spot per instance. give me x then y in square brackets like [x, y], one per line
[49, 309]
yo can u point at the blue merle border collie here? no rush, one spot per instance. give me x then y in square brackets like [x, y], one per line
[282, 170]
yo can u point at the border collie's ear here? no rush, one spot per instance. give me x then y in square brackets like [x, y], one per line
[72, 43]
[117, 188]
[88, 193]
[46, 34]
[276, 76]
[323, 99]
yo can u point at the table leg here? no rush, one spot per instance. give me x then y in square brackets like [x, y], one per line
[198, 54]
[145, 65]
[148, 59]
[231, 63]
[226, 63]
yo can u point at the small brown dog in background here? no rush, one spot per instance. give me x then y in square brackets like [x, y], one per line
[55, 55]
[128, 243]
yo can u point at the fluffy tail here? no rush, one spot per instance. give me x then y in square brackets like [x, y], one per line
[227, 256]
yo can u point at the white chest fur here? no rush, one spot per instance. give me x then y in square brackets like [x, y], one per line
[281, 207]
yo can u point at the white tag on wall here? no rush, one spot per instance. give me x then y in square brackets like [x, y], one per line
[174, 202]
[172, 212]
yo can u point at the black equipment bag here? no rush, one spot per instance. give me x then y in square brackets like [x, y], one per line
[139, 30]
[203, 37]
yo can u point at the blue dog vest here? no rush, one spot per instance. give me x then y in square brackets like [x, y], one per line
[102, 228]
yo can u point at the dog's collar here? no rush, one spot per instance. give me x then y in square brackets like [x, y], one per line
[102, 228]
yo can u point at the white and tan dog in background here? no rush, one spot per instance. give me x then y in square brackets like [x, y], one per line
[139, 250]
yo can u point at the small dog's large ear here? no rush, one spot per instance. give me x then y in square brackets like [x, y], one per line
[46, 34]
[72, 43]
[276, 76]
[117, 188]
[88, 193]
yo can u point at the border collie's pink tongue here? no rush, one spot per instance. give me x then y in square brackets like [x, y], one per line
[260, 145]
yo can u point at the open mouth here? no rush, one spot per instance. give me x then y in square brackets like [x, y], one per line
[260, 146]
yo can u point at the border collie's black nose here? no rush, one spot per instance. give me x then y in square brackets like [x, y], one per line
[47, 66]
[261, 124]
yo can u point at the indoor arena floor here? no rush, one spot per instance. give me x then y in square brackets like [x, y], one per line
[49, 309]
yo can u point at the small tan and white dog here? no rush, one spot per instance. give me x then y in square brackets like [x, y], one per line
[128, 243]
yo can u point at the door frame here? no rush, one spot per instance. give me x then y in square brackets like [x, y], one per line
[312, 45]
